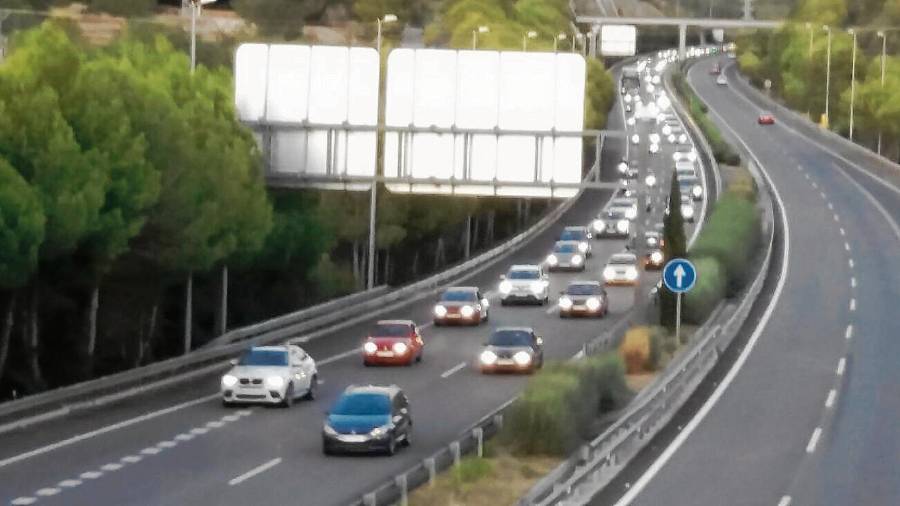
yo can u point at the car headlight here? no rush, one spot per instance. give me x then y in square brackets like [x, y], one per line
[565, 303]
[609, 273]
[400, 348]
[622, 226]
[593, 303]
[552, 260]
[467, 311]
[635, 139]
[630, 121]
[522, 358]
[537, 287]
[631, 274]
[583, 247]
[654, 148]
[328, 429]
[599, 225]
[229, 381]
[380, 432]
[683, 139]
[656, 257]
[505, 287]
[622, 167]
[692, 156]
[666, 130]
[654, 138]
[650, 180]
[577, 259]
[627, 99]
[687, 211]
[274, 382]
[440, 311]
[698, 190]
[671, 138]
[651, 241]
[488, 357]
[631, 213]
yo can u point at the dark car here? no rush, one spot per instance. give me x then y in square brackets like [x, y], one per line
[612, 223]
[512, 349]
[581, 235]
[461, 304]
[585, 298]
[368, 419]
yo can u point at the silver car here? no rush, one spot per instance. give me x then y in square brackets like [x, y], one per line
[612, 223]
[582, 236]
[270, 375]
[565, 256]
[622, 269]
[525, 283]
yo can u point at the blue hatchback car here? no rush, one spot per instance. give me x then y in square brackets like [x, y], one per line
[368, 419]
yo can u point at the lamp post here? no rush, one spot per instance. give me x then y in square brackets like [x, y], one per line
[480, 29]
[559, 37]
[809, 55]
[196, 5]
[827, 74]
[528, 35]
[852, 32]
[373, 195]
[883, 59]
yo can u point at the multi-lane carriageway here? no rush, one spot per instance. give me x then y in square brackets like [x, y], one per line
[180, 446]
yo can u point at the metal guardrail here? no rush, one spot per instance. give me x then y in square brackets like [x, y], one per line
[583, 475]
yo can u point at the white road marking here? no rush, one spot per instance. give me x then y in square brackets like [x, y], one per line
[215, 424]
[90, 475]
[339, 356]
[843, 232]
[850, 262]
[814, 440]
[230, 418]
[23, 501]
[830, 206]
[132, 459]
[785, 501]
[814, 185]
[551, 309]
[849, 333]
[852, 304]
[836, 217]
[847, 246]
[166, 444]
[151, 451]
[831, 396]
[449, 372]
[48, 492]
[253, 472]
[842, 363]
[69, 483]
[822, 194]
[111, 467]
[806, 174]
[104, 430]
[184, 437]
[853, 282]
[199, 431]
[425, 325]
[245, 412]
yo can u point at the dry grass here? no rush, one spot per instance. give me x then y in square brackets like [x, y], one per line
[505, 479]
[635, 350]
[637, 382]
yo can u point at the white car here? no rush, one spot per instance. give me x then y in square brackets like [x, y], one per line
[721, 81]
[628, 205]
[525, 283]
[685, 168]
[622, 269]
[270, 375]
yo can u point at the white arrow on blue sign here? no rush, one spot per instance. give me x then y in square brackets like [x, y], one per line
[679, 275]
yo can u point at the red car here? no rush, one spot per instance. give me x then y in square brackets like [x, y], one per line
[766, 118]
[393, 342]
[715, 70]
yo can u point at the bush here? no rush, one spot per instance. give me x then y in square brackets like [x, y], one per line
[636, 350]
[731, 236]
[607, 373]
[708, 291]
[743, 185]
[472, 469]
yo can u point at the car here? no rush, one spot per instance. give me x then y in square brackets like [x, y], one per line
[627, 204]
[461, 304]
[625, 191]
[685, 152]
[687, 208]
[721, 81]
[512, 349]
[393, 342]
[584, 298]
[715, 69]
[621, 269]
[650, 179]
[672, 131]
[653, 239]
[565, 256]
[653, 149]
[635, 139]
[525, 283]
[691, 186]
[270, 375]
[581, 235]
[622, 166]
[611, 223]
[654, 259]
[766, 118]
[685, 168]
[368, 419]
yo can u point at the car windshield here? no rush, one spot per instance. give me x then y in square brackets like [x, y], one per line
[565, 248]
[615, 213]
[571, 235]
[391, 330]
[511, 338]
[523, 274]
[362, 404]
[583, 290]
[264, 357]
[622, 259]
[622, 202]
[458, 296]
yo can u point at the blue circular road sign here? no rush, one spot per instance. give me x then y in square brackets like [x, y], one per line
[679, 275]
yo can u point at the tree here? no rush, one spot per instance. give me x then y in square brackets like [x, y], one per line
[675, 247]
[129, 8]
[278, 18]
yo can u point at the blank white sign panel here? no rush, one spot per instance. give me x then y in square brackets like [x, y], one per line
[618, 40]
[484, 90]
[285, 85]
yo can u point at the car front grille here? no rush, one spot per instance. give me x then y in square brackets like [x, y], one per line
[251, 381]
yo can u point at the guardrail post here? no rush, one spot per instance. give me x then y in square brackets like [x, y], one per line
[429, 464]
[454, 452]
[478, 434]
[402, 485]
[369, 499]
[498, 421]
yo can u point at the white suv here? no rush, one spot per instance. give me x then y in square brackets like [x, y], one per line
[270, 375]
[525, 283]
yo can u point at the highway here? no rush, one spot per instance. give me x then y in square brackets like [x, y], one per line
[180, 446]
[808, 413]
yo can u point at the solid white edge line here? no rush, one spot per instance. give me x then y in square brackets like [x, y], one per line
[704, 410]
[253, 472]
[842, 364]
[814, 440]
[832, 394]
[452, 370]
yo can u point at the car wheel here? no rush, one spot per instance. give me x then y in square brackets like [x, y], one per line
[313, 385]
[419, 356]
[288, 397]
[392, 446]
[407, 441]
[326, 449]
[503, 302]
[437, 323]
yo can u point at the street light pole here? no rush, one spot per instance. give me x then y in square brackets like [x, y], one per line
[556, 40]
[883, 59]
[480, 29]
[194, 6]
[827, 76]
[809, 55]
[528, 35]
[852, 80]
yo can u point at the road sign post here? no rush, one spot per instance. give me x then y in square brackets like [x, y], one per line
[679, 276]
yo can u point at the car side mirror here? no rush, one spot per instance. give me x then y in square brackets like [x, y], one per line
[233, 361]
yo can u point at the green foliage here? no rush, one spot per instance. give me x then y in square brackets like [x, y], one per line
[472, 469]
[278, 18]
[708, 291]
[731, 236]
[822, 12]
[508, 22]
[21, 228]
[675, 247]
[599, 94]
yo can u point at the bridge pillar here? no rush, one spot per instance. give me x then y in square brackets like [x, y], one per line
[595, 34]
[682, 41]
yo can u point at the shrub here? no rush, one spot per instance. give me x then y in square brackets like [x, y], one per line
[472, 469]
[708, 291]
[635, 350]
[607, 373]
[743, 185]
[731, 236]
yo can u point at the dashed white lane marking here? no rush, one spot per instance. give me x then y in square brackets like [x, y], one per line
[814, 185]
[454, 369]
[814, 440]
[166, 444]
[822, 194]
[90, 475]
[48, 492]
[853, 282]
[199, 431]
[842, 363]
[850, 262]
[184, 437]
[230, 418]
[339, 356]
[852, 304]
[23, 501]
[843, 232]
[111, 467]
[848, 333]
[150, 451]
[832, 395]
[785, 501]
[836, 217]
[253, 472]
[551, 309]
[830, 206]
[132, 459]
[215, 424]
[806, 175]
[847, 246]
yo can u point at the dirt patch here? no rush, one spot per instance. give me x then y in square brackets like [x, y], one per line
[637, 382]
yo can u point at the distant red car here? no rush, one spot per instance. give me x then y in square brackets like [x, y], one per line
[393, 342]
[715, 70]
[766, 118]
